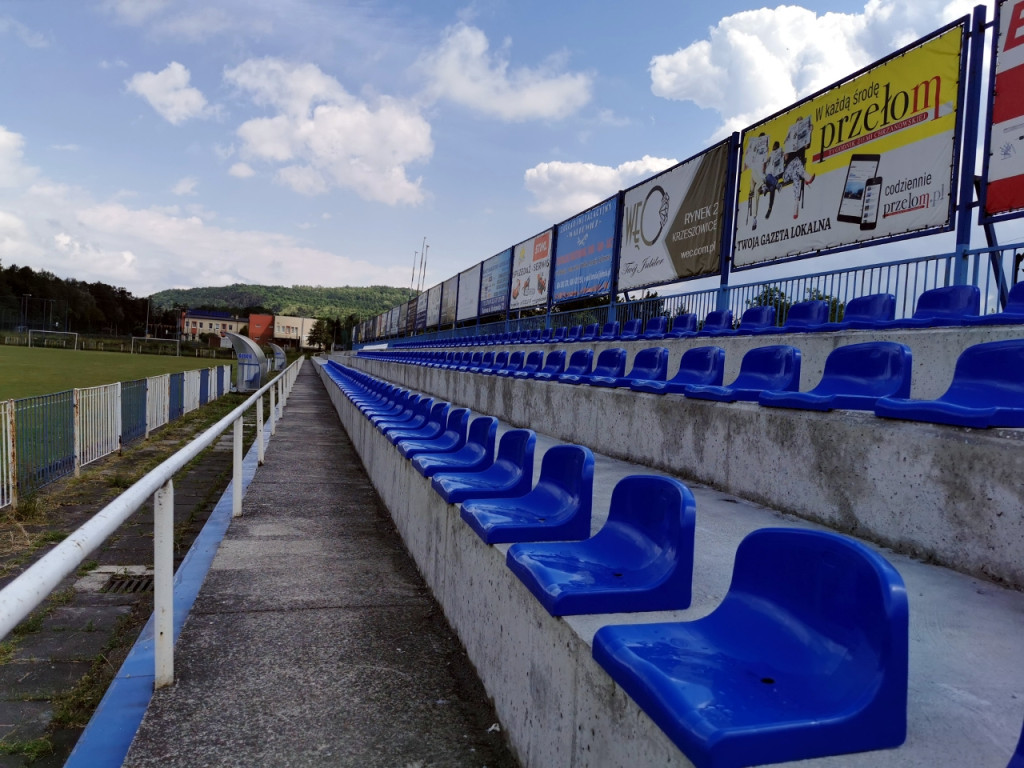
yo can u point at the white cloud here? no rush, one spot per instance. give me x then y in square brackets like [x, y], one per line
[134, 12]
[170, 94]
[324, 137]
[187, 186]
[186, 251]
[465, 71]
[23, 33]
[115, 64]
[65, 147]
[562, 189]
[196, 27]
[13, 170]
[756, 62]
[241, 171]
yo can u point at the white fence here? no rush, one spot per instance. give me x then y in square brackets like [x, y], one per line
[158, 401]
[6, 453]
[192, 381]
[97, 423]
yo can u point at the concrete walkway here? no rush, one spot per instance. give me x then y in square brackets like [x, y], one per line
[314, 640]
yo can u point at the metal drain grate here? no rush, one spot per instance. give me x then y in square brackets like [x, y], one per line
[128, 583]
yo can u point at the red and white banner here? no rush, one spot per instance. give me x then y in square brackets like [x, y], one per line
[1005, 182]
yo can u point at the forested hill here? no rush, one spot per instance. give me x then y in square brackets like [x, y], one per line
[298, 300]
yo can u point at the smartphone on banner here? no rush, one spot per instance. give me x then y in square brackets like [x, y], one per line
[851, 206]
[872, 195]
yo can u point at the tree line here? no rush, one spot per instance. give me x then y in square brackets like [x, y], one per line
[39, 300]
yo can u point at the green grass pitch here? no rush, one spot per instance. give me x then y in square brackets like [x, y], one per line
[28, 371]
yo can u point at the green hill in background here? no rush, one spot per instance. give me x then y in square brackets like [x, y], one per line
[297, 300]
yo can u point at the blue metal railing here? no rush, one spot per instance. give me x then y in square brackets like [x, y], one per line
[45, 439]
[133, 411]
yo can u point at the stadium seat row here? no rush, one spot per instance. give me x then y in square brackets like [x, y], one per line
[806, 656]
[987, 388]
[955, 305]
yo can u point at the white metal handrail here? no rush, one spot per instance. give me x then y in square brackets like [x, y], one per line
[19, 598]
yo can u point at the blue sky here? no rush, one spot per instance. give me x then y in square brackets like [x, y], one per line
[156, 144]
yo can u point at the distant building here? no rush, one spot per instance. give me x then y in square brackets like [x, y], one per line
[261, 328]
[195, 322]
[293, 331]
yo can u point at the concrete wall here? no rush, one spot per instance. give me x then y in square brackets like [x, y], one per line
[555, 704]
[947, 494]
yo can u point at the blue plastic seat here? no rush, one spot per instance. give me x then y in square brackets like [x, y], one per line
[431, 428]
[640, 560]
[591, 332]
[656, 328]
[610, 362]
[485, 362]
[574, 334]
[531, 365]
[650, 364]
[802, 317]
[1012, 314]
[477, 454]
[500, 361]
[775, 368]
[410, 418]
[514, 363]
[511, 473]
[579, 365]
[682, 326]
[610, 332]
[1017, 760]
[717, 320]
[987, 391]
[700, 365]
[631, 330]
[855, 377]
[556, 509]
[863, 313]
[453, 437]
[805, 657]
[474, 360]
[948, 305]
[553, 366]
[753, 320]
[544, 337]
[558, 335]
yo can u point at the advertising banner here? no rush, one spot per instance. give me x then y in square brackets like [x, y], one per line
[869, 158]
[469, 293]
[410, 317]
[583, 252]
[1004, 189]
[421, 311]
[403, 317]
[449, 296]
[672, 223]
[531, 270]
[434, 306]
[393, 321]
[378, 327]
[494, 283]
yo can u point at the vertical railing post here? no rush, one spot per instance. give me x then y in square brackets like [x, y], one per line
[259, 430]
[236, 473]
[12, 436]
[273, 407]
[76, 431]
[163, 584]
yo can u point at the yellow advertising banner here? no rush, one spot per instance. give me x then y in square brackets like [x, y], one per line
[868, 159]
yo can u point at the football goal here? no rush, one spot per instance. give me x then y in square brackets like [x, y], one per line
[64, 339]
[144, 345]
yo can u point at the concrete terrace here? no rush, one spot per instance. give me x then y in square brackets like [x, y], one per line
[314, 640]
